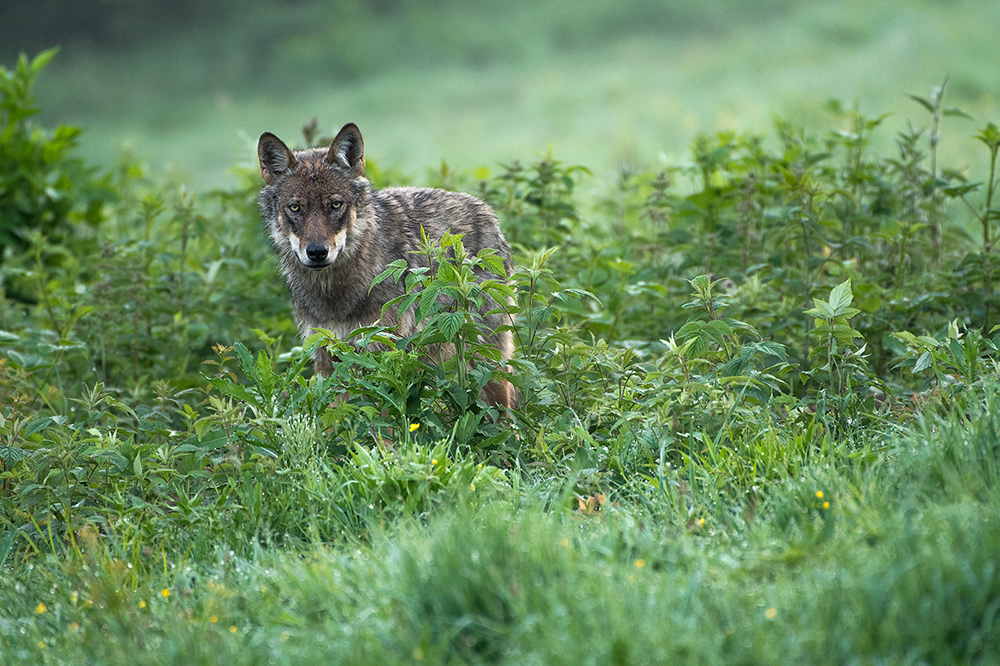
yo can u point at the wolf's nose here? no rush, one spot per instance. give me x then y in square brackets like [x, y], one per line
[316, 252]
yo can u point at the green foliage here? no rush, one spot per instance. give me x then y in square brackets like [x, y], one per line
[808, 443]
[43, 188]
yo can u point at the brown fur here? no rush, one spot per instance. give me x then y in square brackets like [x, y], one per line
[334, 234]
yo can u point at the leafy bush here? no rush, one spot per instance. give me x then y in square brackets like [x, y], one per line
[43, 188]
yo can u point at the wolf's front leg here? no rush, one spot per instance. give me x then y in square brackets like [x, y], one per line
[323, 362]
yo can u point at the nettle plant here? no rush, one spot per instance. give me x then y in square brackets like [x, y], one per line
[433, 377]
[716, 372]
[837, 363]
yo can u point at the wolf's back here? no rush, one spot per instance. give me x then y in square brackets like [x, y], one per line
[402, 211]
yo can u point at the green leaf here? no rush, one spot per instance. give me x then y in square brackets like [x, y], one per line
[957, 112]
[956, 350]
[774, 349]
[11, 455]
[923, 102]
[841, 297]
[459, 395]
[43, 58]
[821, 311]
[233, 390]
[6, 544]
[38, 425]
[450, 323]
[246, 361]
[395, 269]
[923, 362]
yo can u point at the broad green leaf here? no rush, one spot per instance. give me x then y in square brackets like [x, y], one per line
[38, 425]
[841, 297]
[821, 311]
[923, 362]
[450, 323]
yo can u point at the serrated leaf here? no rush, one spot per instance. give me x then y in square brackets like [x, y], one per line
[774, 349]
[906, 337]
[11, 455]
[246, 361]
[719, 328]
[841, 296]
[450, 323]
[821, 311]
[689, 330]
[459, 395]
[494, 264]
[233, 390]
[956, 349]
[924, 361]
[395, 269]
[38, 425]
[695, 348]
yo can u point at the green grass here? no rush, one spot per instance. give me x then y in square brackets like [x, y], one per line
[899, 568]
[759, 419]
[603, 85]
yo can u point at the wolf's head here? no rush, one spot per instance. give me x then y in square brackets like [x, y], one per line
[312, 199]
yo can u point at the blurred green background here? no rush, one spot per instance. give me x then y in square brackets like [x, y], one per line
[189, 85]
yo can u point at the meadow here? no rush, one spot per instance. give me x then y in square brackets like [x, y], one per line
[189, 89]
[758, 416]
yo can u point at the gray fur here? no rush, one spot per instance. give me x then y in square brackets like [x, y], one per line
[334, 234]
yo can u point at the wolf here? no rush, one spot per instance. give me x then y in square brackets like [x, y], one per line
[334, 233]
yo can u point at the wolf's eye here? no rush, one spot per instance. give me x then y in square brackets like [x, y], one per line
[336, 204]
[294, 207]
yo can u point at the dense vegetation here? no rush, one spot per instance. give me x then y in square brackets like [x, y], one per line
[758, 419]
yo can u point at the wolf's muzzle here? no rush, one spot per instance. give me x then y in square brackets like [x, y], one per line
[318, 255]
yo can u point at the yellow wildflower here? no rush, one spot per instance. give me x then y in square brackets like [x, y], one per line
[165, 593]
[213, 619]
[414, 426]
[40, 608]
[142, 604]
[826, 505]
[233, 629]
[640, 563]
[771, 613]
[819, 494]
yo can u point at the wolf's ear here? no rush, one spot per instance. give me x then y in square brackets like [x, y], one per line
[348, 150]
[275, 158]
